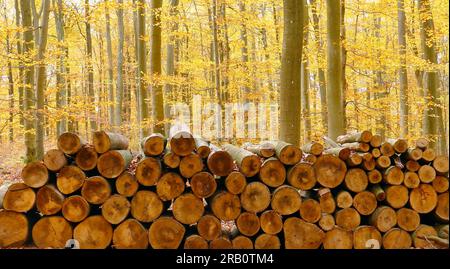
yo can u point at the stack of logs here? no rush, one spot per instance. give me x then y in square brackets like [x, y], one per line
[184, 192]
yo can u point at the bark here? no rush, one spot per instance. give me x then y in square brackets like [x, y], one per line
[110, 68]
[305, 76]
[403, 75]
[142, 70]
[120, 70]
[89, 64]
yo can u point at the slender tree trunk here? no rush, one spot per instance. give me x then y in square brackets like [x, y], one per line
[290, 104]
[344, 83]
[305, 76]
[226, 48]
[142, 70]
[403, 75]
[61, 94]
[21, 67]
[10, 85]
[244, 49]
[90, 68]
[120, 71]
[110, 66]
[216, 51]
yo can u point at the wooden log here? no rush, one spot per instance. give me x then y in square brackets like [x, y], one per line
[265, 150]
[116, 209]
[51, 232]
[195, 242]
[248, 223]
[93, 233]
[271, 222]
[356, 180]
[130, 234]
[86, 158]
[286, 200]
[357, 146]
[171, 185]
[311, 159]
[3, 189]
[364, 136]
[49, 200]
[384, 218]
[376, 141]
[411, 180]
[153, 145]
[166, 233]
[330, 171]
[242, 242]
[326, 201]
[146, 206]
[171, 160]
[387, 149]
[338, 238]
[302, 176]
[96, 190]
[14, 229]
[314, 148]
[112, 163]
[428, 155]
[310, 211]
[299, 234]
[35, 174]
[366, 237]
[75, 208]
[272, 172]
[440, 184]
[126, 184]
[342, 153]
[347, 218]
[182, 143]
[326, 222]
[220, 162]
[148, 171]
[393, 176]
[235, 182]
[267, 241]
[188, 208]
[440, 163]
[414, 154]
[70, 143]
[426, 174]
[369, 165]
[408, 219]
[423, 199]
[19, 198]
[423, 231]
[70, 179]
[203, 184]
[202, 146]
[344, 199]
[106, 141]
[221, 243]
[441, 211]
[374, 176]
[287, 153]
[422, 143]
[400, 145]
[354, 159]
[396, 239]
[209, 227]
[376, 152]
[226, 206]
[383, 162]
[397, 196]
[54, 160]
[379, 192]
[365, 203]
[190, 165]
[412, 166]
[442, 231]
[256, 197]
[248, 163]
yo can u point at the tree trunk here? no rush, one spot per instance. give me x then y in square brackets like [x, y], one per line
[142, 70]
[90, 68]
[403, 75]
[110, 66]
[120, 71]
[21, 66]
[305, 76]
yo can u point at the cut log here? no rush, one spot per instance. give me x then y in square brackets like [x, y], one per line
[265, 150]
[310, 211]
[369, 165]
[271, 222]
[146, 206]
[286, 200]
[3, 189]
[423, 199]
[412, 166]
[170, 186]
[35, 174]
[400, 145]
[348, 218]
[248, 163]
[383, 162]
[387, 149]
[441, 211]
[414, 154]
[96, 190]
[49, 200]
[302, 176]
[209, 227]
[397, 196]
[313, 148]
[195, 242]
[376, 141]
[327, 222]
[130, 234]
[411, 180]
[112, 163]
[356, 146]
[51, 232]
[364, 136]
[338, 238]
[235, 182]
[75, 208]
[422, 143]
[344, 199]
[256, 197]
[374, 176]
[330, 171]
[148, 171]
[365, 203]
[70, 179]
[14, 229]
[226, 206]
[242, 242]
[426, 174]
[442, 231]
[171, 159]
[440, 184]
[105, 141]
[153, 145]
[384, 218]
[342, 153]
[54, 160]
[166, 233]
[267, 241]
[93, 233]
[116, 209]
[326, 201]
[366, 237]
[221, 243]
[287, 153]
[272, 172]
[408, 219]
[311, 159]
[202, 146]
[220, 163]
[379, 193]
[70, 143]
[440, 163]
[190, 165]
[299, 234]
[188, 208]
[203, 184]
[396, 239]
[428, 155]
[182, 143]
[356, 180]
[126, 184]
[86, 158]
[393, 176]
[248, 223]
[19, 198]
[376, 152]
[423, 231]
[354, 159]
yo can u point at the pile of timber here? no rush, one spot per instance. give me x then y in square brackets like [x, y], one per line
[184, 192]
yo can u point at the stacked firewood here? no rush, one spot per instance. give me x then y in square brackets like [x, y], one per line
[184, 192]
